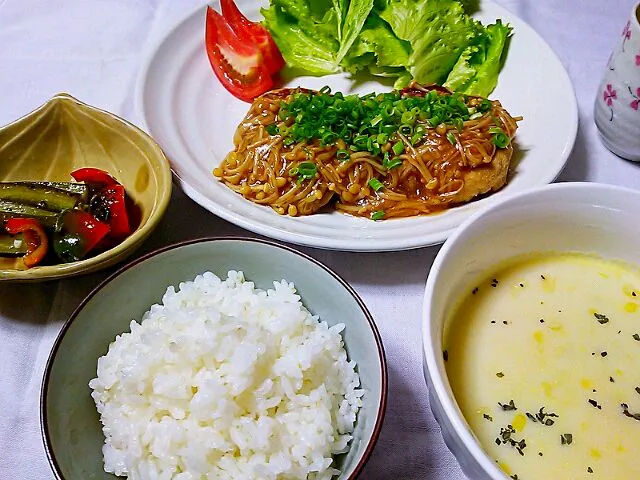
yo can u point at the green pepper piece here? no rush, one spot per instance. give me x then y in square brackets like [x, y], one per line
[81, 190]
[12, 245]
[13, 209]
[69, 247]
[40, 196]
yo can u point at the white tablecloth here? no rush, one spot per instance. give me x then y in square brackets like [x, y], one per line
[93, 49]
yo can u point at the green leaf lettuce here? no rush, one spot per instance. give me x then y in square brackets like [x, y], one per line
[314, 36]
[431, 41]
[476, 71]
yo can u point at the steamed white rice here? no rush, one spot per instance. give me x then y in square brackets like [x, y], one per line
[226, 381]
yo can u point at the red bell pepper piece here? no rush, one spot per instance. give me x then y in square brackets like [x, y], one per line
[93, 176]
[33, 233]
[110, 194]
[113, 197]
[87, 226]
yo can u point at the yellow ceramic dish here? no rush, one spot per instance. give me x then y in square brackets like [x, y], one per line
[65, 134]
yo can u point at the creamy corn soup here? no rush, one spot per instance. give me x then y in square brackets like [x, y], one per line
[543, 357]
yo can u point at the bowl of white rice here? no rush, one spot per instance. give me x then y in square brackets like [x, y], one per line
[218, 358]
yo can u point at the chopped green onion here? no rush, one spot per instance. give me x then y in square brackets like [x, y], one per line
[326, 89]
[406, 129]
[451, 137]
[388, 129]
[283, 130]
[370, 143]
[376, 184]
[379, 215]
[368, 123]
[307, 170]
[342, 155]
[500, 140]
[360, 142]
[485, 105]
[376, 120]
[418, 133]
[272, 129]
[396, 162]
[398, 148]
[389, 163]
[408, 117]
[329, 138]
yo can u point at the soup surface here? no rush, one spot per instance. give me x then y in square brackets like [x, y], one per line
[543, 357]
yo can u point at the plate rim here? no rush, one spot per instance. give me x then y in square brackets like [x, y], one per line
[374, 244]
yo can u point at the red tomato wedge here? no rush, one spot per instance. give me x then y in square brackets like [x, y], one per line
[242, 53]
[245, 28]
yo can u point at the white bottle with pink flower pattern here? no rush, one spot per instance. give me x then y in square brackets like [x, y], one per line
[617, 106]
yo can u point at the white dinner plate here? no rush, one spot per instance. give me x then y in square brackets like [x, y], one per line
[185, 108]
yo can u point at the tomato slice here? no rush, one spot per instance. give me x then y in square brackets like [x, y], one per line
[245, 28]
[237, 62]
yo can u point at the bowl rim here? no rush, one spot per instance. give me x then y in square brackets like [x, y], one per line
[162, 174]
[381, 407]
[436, 378]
